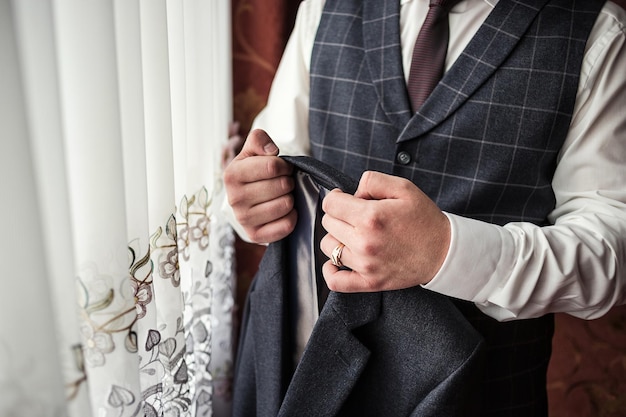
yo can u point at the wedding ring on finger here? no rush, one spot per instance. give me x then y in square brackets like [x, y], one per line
[335, 256]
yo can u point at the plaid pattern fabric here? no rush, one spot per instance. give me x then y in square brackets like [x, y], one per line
[483, 145]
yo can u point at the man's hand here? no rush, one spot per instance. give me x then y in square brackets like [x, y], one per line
[395, 237]
[258, 185]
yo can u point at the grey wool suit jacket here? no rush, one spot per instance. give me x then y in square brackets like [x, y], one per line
[396, 353]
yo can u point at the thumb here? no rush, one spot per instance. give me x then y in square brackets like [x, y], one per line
[258, 143]
[378, 186]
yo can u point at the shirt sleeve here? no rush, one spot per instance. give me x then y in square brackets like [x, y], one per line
[286, 116]
[577, 265]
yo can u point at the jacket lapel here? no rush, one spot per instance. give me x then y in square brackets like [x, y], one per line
[334, 358]
[489, 48]
[381, 41]
[267, 300]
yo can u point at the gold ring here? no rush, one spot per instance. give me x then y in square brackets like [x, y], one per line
[335, 256]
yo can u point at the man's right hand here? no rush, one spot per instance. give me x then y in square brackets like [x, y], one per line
[259, 185]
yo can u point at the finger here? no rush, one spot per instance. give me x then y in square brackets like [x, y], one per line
[345, 280]
[274, 230]
[378, 186]
[256, 168]
[342, 206]
[258, 143]
[328, 245]
[338, 231]
[267, 211]
[253, 193]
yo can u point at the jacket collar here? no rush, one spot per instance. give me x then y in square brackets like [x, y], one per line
[344, 355]
[333, 339]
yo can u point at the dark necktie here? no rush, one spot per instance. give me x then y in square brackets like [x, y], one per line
[429, 52]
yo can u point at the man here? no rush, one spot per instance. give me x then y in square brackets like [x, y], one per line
[505, 189]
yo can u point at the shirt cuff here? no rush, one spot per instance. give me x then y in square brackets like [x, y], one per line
[229, 215]
[478, 260]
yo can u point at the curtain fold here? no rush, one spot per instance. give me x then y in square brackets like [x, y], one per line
[120, 269]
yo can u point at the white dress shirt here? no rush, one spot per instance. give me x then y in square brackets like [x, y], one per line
[578, 264]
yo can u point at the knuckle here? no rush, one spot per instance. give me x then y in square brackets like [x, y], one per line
[234, 198]
[281, 228]
[331, 284]
[368, 268]
[327, 202]
[255, 236]
[285, 184]
[370, 249]
[243, 218]
[404, 183]
[285, 203]
[279, 207]
[372, 221]
[230, 177]
[366, 177]
[273, 167]
[286, 228]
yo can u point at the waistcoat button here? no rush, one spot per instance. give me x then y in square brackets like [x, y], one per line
[403, 157]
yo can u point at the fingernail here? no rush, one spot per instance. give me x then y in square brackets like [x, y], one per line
[270, 147]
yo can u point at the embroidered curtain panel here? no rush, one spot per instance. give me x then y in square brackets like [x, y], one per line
[117, 270]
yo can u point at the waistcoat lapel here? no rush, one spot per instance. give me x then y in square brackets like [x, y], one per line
[381, 42]
[334, 358]
[489, 48]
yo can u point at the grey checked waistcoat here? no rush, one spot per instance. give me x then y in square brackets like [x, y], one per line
[484, 144]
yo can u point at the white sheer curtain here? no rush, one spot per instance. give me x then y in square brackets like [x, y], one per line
[117, 270]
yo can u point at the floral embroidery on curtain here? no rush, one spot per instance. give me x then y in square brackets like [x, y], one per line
[114, 114]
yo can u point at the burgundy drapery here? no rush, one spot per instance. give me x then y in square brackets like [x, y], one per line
[587, 375]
